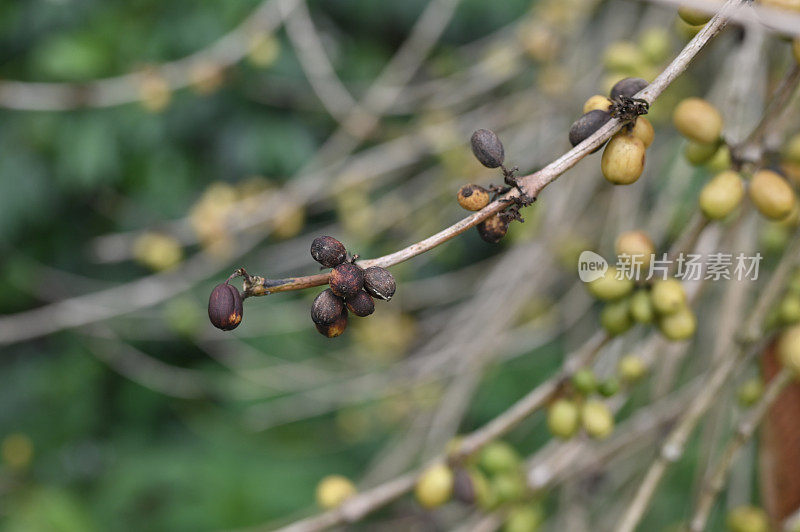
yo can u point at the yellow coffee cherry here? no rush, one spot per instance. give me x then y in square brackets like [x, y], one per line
[333, 490]
[616, 317]
[789, 309]
[473, 197]
[631, 368]
[499, 457]
[597, 102]
[655, 44]
[597, 420]
[524, 518]
[771, 194]
[721, 160]
[789, 349]
[563, 418]
[643, 130]
[695, 17]
[642, 307]
[747, 519]
[721, 195]
[750, 391]
[623, 159]
[698, 154]
[637, 245]
[608, 287]
[668, 296]
[678, 326]
[434, 486]
[698, 120]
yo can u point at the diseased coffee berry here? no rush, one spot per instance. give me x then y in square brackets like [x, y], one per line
[623, 159]
[643, 130]
[631, 368]
[326, 308]
[771, 194]
[335, 328]
[361, 304]
[470, 487]
[487, 148]
[642, 307]
[747, 519]
[493, 229]
[609, 387]
[434, 486]
[698, 154]
[722, 195]
[636, 246]
[586, 125]
[598, 102]
[225, 307]
[499, 457]
[789, 349]
[597, 420]
[328, 251]
[616, 317]
[680, 325]
[378, 282]
[473, 197]
[584, 381]
[668, 296]
[609, 287]
[698, 120]
[563, 418]
[346, 280]
[333, 490]
[695, 17]
[627, 87]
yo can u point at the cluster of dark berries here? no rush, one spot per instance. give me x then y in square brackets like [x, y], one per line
[488, 149]
[351, 287]
[225, 307]
[624, 156]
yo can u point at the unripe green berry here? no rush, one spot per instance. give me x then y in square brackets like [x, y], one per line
[721, 195]
[642, 307]
[698, 154]
[346, 280]
[616, 317]
[563, 418]
[750, 391]
[499, 457]
[333, 490]
[623, 57]
[698, 120]
[508, 486]
[584, 381]
[747, 519]
[789, 309]
[695, 17]
[680, 325]
[771, 194]
[668, 296]
[791, 151]
[608, 387]
[623, 159]
[721, 160]
[789, 349]
[608, 287]
[473, 197]
[487, 148]
[597, 420]
[434, 486]
[655, 43]
[636, 245]
[631, 368]
[525, 518]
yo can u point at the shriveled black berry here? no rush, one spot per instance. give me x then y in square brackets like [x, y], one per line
[346, 280]
[627, 87]
[379, 283]
[493, 229]
[487, 148]
[328, 251]
[225, 307]
[326, 308]
[335, 328]
[361, 304]
[585, 126]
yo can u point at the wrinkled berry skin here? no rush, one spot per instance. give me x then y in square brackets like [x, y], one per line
[586, 125]
[378, 282]
[346, 280]
[328, 251]
[627, 87]
[334, 329]
[487, 148]
[493, 229]
[326, 308]
[225, 307]
[361, 304]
